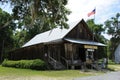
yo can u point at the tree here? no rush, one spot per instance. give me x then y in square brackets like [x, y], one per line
[97, 29]
[6, 40]
[37, 16]
[19, 38]
[113, 28]
[43, 13]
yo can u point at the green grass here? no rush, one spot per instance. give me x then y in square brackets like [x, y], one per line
[64, 74]
[28, 72]
[114, 67]
[111, 62]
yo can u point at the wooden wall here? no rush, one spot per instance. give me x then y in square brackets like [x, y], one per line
[33, 52]
[80, 32]
[38, 52]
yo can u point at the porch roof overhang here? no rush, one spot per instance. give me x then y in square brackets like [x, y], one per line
[78, 41]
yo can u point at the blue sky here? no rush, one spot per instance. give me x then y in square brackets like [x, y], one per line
[105, 9]
[6, 7]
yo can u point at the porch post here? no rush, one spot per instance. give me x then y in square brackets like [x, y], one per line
[72, 56]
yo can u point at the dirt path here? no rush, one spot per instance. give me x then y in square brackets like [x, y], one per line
[108, 76]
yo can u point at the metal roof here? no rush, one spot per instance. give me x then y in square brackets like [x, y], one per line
[84, 42]
[54, 34]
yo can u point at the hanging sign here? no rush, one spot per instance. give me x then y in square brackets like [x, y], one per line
[90, 47]
[91, 50]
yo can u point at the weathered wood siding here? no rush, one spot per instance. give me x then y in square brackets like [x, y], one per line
[80, 32]
[55, 51]
[33, 52]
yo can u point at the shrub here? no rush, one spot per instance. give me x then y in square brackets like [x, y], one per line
[9, 63]
[36, 64]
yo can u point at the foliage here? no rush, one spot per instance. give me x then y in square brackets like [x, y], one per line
[36, 64]
[43, 13]
[111, 62]
[36, 16]
[19, 38]
[113, 28]
[7, 28]
[108, 50]
[98, 29]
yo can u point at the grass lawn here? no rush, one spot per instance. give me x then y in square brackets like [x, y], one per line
[114, 67]
[27, 74]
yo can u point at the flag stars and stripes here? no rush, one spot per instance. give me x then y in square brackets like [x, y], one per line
[91, 13]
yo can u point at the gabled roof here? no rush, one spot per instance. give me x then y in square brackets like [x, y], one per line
[58, 34]
[54, 34]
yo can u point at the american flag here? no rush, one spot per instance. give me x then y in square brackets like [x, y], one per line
[91, 13]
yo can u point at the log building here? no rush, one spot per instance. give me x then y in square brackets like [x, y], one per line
[62, 48]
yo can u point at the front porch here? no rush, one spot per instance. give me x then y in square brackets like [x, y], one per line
[77, 55]
[72, 55]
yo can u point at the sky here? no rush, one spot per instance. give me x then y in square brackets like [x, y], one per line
[105, 9]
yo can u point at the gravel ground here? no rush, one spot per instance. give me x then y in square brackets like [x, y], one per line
[108, 76]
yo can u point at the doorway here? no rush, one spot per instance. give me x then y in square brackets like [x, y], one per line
[89, 56]
[82, 54]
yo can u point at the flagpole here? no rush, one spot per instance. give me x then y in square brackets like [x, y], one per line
[93, 31]
[94, 23]
[89, 14]
[94, 18]
[94, 14]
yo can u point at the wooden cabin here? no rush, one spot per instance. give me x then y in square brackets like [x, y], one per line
[62, 48]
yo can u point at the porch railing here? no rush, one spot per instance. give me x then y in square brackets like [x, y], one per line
[66, 61]
[52, 61]
[56, 64]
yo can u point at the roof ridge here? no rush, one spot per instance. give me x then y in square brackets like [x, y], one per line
[56, 34]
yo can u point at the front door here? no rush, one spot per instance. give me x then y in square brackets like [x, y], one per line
[82, 54]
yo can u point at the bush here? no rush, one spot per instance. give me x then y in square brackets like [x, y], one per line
[36, 64]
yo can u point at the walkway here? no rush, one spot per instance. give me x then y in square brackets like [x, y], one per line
[108, 76]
